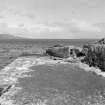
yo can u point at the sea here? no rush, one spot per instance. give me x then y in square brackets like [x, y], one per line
[42, 43]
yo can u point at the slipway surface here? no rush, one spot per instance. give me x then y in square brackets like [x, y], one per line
[44, 81]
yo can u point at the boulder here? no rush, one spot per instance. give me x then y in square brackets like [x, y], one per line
[4, 89]
[58, 45]
[95, 54]
[64, 51]
[102, 41]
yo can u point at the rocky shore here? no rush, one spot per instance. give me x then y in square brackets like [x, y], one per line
[92, 54]
[95, 54]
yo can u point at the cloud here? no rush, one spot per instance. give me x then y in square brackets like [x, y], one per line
[85, 26]
[40, 28]
[70, 29]
[29, 25]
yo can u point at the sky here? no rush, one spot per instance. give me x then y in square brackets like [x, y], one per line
[66, 19]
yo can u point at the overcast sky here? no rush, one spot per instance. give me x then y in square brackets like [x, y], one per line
[53, 18]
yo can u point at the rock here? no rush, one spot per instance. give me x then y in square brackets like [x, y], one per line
[4, 89]
[7, 89]
[58, 45]
[1, 91]
[95, 54]
[64, 51]
[102, 41]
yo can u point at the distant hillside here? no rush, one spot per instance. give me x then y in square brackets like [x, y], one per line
[8, 36]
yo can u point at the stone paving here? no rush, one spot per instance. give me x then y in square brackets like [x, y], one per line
[20, 68]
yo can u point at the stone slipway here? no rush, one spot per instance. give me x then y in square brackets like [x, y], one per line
[20, 68]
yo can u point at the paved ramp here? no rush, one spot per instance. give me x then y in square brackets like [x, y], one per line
[43, 81]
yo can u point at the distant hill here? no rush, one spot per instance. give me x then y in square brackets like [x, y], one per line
[8, 36]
